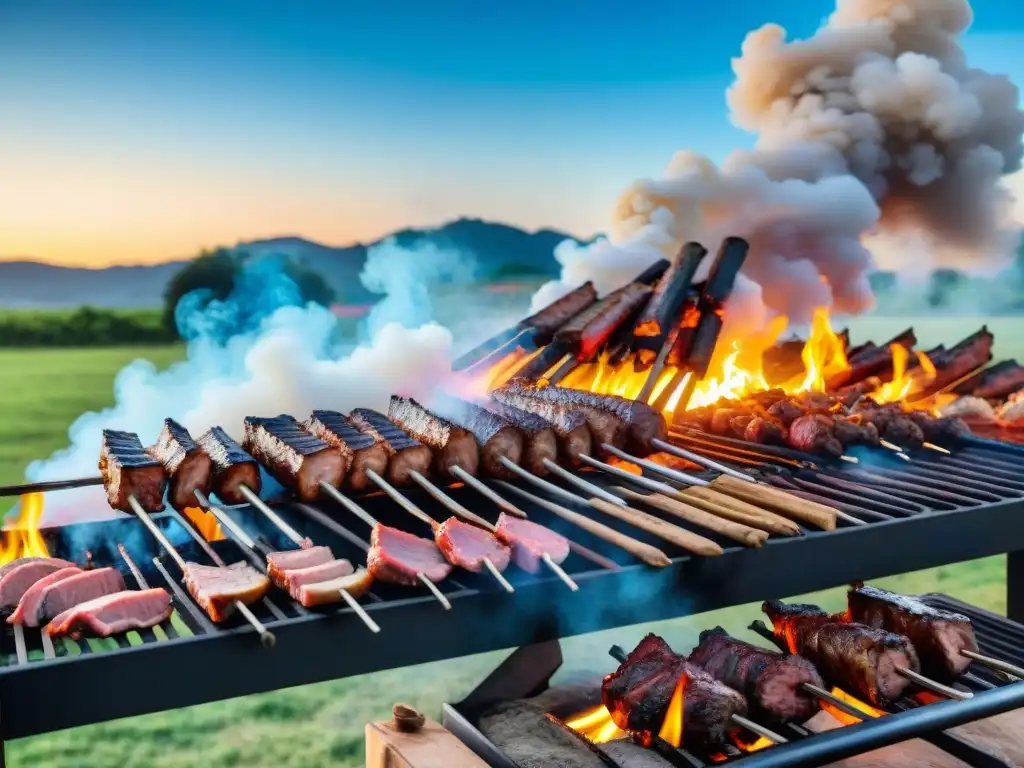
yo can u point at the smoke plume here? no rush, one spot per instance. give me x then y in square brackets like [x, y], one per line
[877, 143]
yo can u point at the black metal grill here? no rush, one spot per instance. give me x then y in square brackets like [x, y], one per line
[526, 674]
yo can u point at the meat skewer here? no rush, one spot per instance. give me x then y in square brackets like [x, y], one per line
[233, 468]
[189, 467]
[293, 456]
[303, 543]
[452, 445]
[267, 637]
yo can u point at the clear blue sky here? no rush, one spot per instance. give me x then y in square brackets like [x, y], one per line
[140, 131]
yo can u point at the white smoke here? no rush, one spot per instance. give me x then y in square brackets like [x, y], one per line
[872, 134]
[291, 362]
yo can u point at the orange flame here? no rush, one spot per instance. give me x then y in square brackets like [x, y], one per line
[761, 742]
[205, 523]
[596, 725]
[672, 726]
[853, 701]
[21, 537]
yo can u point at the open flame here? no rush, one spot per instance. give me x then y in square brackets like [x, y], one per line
[853, 701]
[672, 726]
[205, 523]
[596, 725]
[20, 536]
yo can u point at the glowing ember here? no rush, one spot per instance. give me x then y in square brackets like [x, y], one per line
[205, 523]
[738, 738]
[21, 537]
[596, 725]
[625, 466]
[853, 701]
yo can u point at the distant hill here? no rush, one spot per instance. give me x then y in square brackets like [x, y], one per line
[499, 250]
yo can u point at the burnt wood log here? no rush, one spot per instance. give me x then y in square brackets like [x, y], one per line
[663, 310]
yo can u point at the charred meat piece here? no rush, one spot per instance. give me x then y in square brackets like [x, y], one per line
[772, 682]
[399, 557]
[556, 314]
[587, 332]
[113, 614]
[738, 424]
[766, 431]
[20, 579]
[28, 605]
[467, 546]
[187, 465]
[963, 358]
[858, 658]
[638, 693]
[360, 450]
[893, 424]
[128, 470]
[815, 433]
[62, 594]
[217, 589]
[995, 383]
[292, 456]
[938, 636]
[530, 542]
[405, 454]
[939, 428]
[233, 468]
[325, 592]
[453, 446]
[540, 441]
[786, 411]
[279, 563]
[854, 430]
[571, 427]
[495, 436]
[721, 420]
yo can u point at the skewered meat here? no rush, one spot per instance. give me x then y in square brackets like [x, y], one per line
[361, 451]
[771, 681]
[113, 614]
[969, 407]
[28, 605]
[467, 546]
[405, 454]
[539, 439]
[994, 383]
[766, 431]
[495, 436]
[530, 542]
[938, 428]
[217, 589]
[963, 358]
[279, 563]
[587, 332]
[570, 425]
[292, 456]
[62, 594]
[605, 427]
[128, 470]
[233, 468]
[893, 424]
[453, 446]
[297, 578]
[19, 579]
[638, 694]
[873, 361]
[813, 433]
[399, 557]
[556, 314]
[858, 658]
[938, 636]
[325, 592]
[186, 464]
[854, 430]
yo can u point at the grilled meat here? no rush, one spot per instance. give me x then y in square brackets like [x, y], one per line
[280, 563]
[28, 605]
[893, 424]
[292, 456]
[570, 425]
[771, 682]
[62, 594]
[540, 441]
[995, 383]
[405, 454]
[938, 636]
[113, 614]
[587, 332]
[399, 557]
[187, 465]
[297, 578]
[556, 314]
[638, 693]
[217, 589]
[939, 428]
[495, 436]
[128, 470]
[356, 584]
[530, 542]
[814, 433]
[453, 446]
[766, 431]
[467, 546]
[360, 450]
[963, 358]
[854, 430]
[860, 659]
[19, 579]
[233, 468]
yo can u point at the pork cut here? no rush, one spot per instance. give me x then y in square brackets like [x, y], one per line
[217, 589]
[113, 614]
[467, 546]
[405, 453]
[233, 468]
[292, 456]
[604, 426]
[530, 542]
[540, 442]
[299, 577]
[325, 592]
[496, 437]
[360, 450]
[128, 471]
[569, 426]
[452, 445]
[279, 563]
[78, 588]
[187, 465]
[28, 605]
[19, 579]
[399, 557]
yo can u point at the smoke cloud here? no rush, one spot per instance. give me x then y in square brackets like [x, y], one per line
[877, 144]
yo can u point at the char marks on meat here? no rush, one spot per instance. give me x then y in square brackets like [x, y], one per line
[217, 589]
[467, 546]
[556, 314]
[938, 636]
[399, 557]
[772, 682]
[569, 425]
[113, 614]
[187, 465]
[233, 468]
[128, 470]
[292, 456]
[453, 446]
[495, 436]
[540, 440]
[861, 659]
[361, 450]
[405, 453]
[18, 580]
[530, 542]
[588, 331]
[66, 593]
[28, 605]
[604, 426]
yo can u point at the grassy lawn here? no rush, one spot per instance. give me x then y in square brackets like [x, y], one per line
[321, 725]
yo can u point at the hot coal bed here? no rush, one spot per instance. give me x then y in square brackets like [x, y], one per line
[894, 512]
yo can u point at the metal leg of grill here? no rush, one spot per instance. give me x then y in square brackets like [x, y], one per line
[1015, 586]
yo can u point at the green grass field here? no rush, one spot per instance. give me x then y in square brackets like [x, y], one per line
[321, 725]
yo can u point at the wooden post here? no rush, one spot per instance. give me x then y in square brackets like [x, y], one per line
[411, 740]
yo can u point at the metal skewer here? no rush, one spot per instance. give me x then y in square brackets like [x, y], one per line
[50, 485]
[296, 538]
[266, 636]
[371, 521]
[931, 685]
[1009, 669]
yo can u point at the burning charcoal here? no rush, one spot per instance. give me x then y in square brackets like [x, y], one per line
[360, 450]
[113, 614]
[292, 456]
[452, 445]
[233, 468]
[972, 408]
[667, 300]
[128, 471]
[405, 454]
[533, 740]
[187, 465]
[628, 754]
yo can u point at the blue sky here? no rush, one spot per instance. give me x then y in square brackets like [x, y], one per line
[142, 131]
